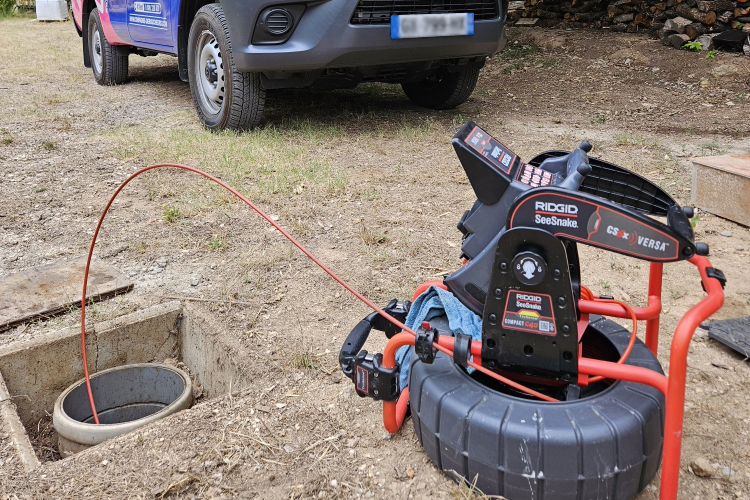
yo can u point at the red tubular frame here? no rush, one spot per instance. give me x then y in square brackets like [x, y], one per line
[650, 313]
[673, 385]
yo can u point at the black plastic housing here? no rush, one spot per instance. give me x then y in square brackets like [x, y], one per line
[267, 30]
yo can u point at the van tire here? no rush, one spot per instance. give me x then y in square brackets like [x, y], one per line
[109, 66]
[443, 89]
[224, 97]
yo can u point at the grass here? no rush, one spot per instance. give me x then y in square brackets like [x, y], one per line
[217, 243]
[263, 163]
[712, 148]
[305, 360]
[627, 139]
[171, 214]
[466, 490]
[372, 237]
[519, 51]
[519, 55]
[7, 8]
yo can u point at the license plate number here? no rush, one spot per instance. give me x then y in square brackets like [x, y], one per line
[431, 25]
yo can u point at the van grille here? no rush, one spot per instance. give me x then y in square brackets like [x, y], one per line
[380, 11]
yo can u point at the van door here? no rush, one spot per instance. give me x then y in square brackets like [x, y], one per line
[149, 22]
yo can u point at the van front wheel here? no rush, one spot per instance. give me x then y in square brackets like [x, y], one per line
[224, 97]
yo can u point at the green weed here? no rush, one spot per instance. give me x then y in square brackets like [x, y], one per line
[217, 243]
[635, 139]
[7, 7]
[371, 237]
[171, 214]
[694, 220]
[519, 51]
[712, 148]
[694, 46]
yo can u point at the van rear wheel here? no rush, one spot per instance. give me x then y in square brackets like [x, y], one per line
[110, 68]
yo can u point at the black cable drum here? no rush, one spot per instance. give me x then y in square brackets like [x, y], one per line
[603, 446]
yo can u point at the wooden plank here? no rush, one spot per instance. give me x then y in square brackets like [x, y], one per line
[721, 185]
[47, 290]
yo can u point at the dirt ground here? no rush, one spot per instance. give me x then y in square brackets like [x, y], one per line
[371, 184]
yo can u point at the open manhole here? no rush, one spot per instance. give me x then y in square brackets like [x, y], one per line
[37, 371]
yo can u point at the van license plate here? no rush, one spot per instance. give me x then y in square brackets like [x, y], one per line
[431, 25]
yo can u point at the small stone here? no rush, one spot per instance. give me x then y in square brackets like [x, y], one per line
[701, 467]
[195, 282]
[706, 42]
[105, 462]
[410, 472]
[677, 25]
[724, 70]
[678, 40]
[727, 471]
[728, 234]
[334, 483]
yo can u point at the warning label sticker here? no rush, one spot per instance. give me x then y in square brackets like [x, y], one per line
[529, 312]
[500, 156]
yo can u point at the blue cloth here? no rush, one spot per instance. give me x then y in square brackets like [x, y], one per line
[432, 303]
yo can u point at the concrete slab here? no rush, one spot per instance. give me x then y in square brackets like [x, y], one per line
[721, 186]
[41, 368]
[43, 291]
[209, 358]
[11, 424]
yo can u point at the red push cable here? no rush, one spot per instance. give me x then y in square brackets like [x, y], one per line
[306, 252]
[254, 207]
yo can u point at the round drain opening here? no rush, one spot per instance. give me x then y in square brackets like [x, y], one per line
[127, 397]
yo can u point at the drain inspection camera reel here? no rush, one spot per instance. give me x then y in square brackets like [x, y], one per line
[515, 379]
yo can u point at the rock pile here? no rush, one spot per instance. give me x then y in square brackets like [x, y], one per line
[674, 21]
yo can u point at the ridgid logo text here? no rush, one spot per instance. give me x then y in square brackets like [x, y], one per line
[556, 214]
